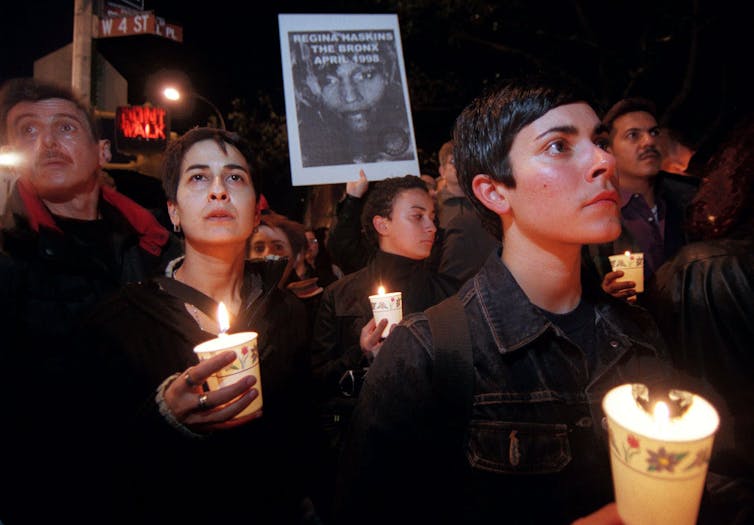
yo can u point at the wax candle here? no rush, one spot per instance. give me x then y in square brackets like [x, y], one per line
[244, 344]
[387, 306]
[659, 463]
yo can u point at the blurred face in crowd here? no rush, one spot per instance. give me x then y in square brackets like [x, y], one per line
[566, 188]
[352, 91]
[216, 201]
[312, 247]
[635, 143]
[410, 230]
[60, 157]
[270, 241]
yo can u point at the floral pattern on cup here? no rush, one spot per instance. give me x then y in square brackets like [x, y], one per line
[387, 303]
[656, 457]
[246, 358]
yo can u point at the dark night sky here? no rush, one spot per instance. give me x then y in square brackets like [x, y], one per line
[231, 53]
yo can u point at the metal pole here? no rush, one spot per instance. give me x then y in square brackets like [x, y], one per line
[81, 59]
[208, 101]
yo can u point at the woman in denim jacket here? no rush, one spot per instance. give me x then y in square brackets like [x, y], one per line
[545, 345]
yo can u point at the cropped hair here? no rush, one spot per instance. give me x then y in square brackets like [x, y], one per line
[381, 199]
[485, 130]
[628, 105]
[27, 89]
[176, 150]
[446, 150]
[294, 231]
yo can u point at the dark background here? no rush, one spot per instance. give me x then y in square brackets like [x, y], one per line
[693, 58]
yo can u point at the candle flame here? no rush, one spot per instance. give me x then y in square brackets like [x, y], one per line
[628, 253]
[661, 412]
[222, 318]
[381, 290]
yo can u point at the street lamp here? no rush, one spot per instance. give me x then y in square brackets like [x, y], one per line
[172, 93]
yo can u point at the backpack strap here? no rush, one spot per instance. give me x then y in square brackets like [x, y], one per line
[187, 294]
[453, 375]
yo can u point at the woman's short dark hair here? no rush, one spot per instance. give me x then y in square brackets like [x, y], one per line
[381, 199]
[176, 150]
[17, 90]
[485, 130]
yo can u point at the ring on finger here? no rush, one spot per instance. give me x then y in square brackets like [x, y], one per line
[203, 404]
[190, 382]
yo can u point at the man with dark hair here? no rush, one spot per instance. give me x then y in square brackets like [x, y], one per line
[653, 203]
[515, 435]
[70, 241]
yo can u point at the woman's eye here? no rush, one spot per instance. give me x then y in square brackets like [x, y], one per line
[197, 177]
[236, 177]
[557, 146]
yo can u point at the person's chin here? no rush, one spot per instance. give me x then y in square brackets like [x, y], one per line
[356, 122]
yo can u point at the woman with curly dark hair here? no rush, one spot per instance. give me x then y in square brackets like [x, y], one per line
[398, 219]
[703, 299]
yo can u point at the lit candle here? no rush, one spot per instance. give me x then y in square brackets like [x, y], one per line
[632, 266]
[244, 344]
[659, 457]
[387, 306]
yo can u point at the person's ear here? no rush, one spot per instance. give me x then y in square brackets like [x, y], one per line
[173, 214]
[492, 194]
[381, 224]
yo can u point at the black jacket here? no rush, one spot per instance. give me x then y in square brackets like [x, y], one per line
[254, 472]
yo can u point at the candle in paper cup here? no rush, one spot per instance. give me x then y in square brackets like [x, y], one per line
[387, 306]
[659, 463]
[632, 266]
[244, 344]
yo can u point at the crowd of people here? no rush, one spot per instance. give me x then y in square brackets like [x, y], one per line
[482, 405]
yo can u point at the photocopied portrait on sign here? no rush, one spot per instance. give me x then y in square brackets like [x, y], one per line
[347, 103]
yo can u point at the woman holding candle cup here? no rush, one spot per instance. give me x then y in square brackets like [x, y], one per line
[168, 429]
[399, 219]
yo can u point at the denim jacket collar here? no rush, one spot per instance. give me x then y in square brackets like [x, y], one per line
[515, 322]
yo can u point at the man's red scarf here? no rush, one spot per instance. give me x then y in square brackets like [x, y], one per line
[152, 236]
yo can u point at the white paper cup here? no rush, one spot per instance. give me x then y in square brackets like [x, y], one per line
[244, 344]
[387, 306]
[632, 266]
[658, 471]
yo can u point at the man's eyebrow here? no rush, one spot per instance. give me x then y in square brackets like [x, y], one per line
[418, 207]
[570, 130]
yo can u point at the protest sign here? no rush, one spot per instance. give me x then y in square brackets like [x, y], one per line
[347, 104]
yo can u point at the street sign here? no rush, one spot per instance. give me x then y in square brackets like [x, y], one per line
[145, 23]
